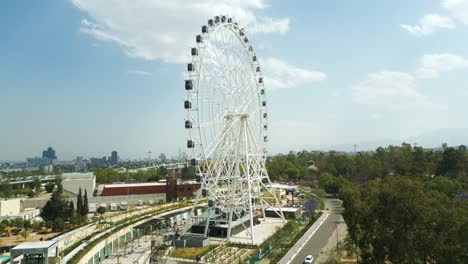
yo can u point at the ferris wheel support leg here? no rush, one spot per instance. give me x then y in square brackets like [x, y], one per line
[231, 209]
[228, 236]
[251, 214]
[262, 204]
[249, 182]
[272, 191]
[207, 224]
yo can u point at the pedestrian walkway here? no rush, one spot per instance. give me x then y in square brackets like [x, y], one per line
[137, 252]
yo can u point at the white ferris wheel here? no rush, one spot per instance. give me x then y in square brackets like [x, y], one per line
[227, 124]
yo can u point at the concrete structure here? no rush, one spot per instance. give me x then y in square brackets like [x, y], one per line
[157, 198]
[10, 207]
[289, 187]
[192, 240]
[72, 182]
[117, 240]
[41, 252]
[288, 212]
[174, 189]
[177, 189]
[92, 208]
[280, 195]
[30, 213]
[48, 168]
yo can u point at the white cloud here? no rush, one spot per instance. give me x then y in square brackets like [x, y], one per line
[270, 25]
[162, 29]
[279, 74]
[432, 65]
[458, 9]
[429, 24]
[138, 72]
[389, 90]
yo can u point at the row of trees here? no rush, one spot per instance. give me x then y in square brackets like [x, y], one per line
[57, 210]
[406, 159]
[405, 220]
[110, 175]
[402, 203]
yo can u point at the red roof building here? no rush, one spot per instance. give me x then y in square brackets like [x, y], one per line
[133, 188]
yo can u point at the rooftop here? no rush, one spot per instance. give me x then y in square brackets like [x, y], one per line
[141, 184]
[284, 209]
[283, 186]
[78, 175]
[35, 245]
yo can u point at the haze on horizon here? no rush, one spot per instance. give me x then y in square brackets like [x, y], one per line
[88, 77]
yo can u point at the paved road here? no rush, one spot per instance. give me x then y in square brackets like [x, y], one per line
[321, 236]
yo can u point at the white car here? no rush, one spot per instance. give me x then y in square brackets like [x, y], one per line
[309, 259]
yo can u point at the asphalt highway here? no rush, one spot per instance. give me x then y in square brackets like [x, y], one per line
[322, 235]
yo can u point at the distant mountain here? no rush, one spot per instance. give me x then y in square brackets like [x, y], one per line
[433, 139]
[451, 136]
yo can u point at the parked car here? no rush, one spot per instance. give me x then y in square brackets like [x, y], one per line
[309, 259]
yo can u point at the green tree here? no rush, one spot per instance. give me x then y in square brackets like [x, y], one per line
[188, 173]
[31, 193]
[163, 172]
[79, 204]
[445, 185]
[453, 162]
[6, 222]
[24, 234]
[55, 206]
[401, 220]
[27, 223]
[332, 184]
[58, 224]
[85, 204]
[18, 222]
[50, 187]
[36, 184]
[101, 210]
[292, 173]
[70, 212]
[5, 189]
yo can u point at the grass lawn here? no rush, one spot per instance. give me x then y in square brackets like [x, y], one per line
[192, 253]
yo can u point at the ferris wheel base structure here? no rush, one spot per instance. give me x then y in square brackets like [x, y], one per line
[227, 124]
[263, 230]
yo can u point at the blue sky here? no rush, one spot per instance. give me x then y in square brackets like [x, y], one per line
[89, 77]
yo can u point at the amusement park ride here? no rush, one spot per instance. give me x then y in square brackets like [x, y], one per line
[227, 125]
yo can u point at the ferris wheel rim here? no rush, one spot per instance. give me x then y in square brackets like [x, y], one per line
[199, 149]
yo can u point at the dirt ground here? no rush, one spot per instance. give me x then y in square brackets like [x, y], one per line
[14, 240]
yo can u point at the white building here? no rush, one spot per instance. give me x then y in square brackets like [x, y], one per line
[10, 207]
[72, 182]
[30, 213]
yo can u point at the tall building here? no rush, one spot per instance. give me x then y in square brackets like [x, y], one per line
[98, 162]
[114, 158]
[49, 154]
[162, 157]
[37, 162]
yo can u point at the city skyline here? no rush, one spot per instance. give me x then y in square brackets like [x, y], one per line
[86, 78]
